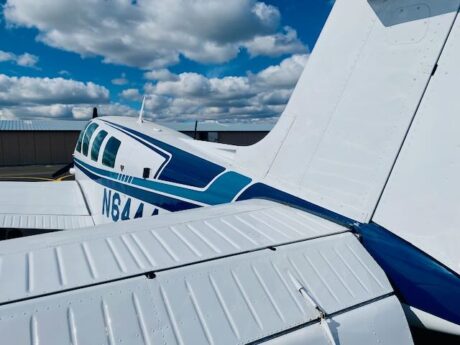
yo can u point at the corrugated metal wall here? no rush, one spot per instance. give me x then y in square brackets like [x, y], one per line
[239, 138]
[245, 138]
[56, 147]
[36, 147]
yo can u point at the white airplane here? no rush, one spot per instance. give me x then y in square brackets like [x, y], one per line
[343, 217]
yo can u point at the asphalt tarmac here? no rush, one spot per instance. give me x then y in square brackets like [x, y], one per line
[33, 173]
[38, 173]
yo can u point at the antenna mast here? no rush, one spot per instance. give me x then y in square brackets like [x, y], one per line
[141, 112]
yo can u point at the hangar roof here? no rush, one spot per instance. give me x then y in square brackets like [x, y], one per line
[41, 125]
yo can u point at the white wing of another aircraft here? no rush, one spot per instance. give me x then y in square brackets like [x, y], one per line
[43, 206]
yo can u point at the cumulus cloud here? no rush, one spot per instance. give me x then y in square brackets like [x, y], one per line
[131, 94]
[285, 74]
[27, 97]
[121, 80]
[162, 74]
[179, 97]
[63, 111]
[277, 44]
[25, 60]
[193, 96]
[83, 112]
[20, 90]
[156, 33]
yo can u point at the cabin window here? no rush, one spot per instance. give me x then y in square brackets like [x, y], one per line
[97, 145]
[80, 138]
[110, 152]
[87, 137]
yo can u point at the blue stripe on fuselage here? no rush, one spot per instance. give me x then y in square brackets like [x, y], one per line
[263, 191]
[162, 201]
[419, 280]
[222, 190]
[199, 173]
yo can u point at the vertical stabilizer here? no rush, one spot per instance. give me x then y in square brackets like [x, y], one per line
[341, 131]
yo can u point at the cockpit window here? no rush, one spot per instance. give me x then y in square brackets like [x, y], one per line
[110, 152]
[80, 138]
[97, 145]
[87, 137]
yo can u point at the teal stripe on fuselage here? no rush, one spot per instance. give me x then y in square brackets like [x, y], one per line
[222, 190]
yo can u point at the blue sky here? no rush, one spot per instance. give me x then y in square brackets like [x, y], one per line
[201, 59]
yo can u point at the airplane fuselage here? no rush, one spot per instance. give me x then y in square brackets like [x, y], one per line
[129, 170]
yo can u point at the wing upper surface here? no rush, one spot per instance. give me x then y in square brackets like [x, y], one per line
[229, 274]
[43, 205]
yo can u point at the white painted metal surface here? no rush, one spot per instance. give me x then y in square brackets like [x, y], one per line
[44, 221]
[360, 326]
[43, 205]
[340, 133]
[232, 300]
[113, 251]
[421, 319]
[421, 202]
[58, 198]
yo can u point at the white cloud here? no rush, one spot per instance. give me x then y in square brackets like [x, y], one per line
[25, 60]
[7, 56]
[36, 111]
[67, 111]
[121, 80]
[276, 44]
[26, 97]
[285, 74]
[19, 90]
[187, 85]
[162, 74]
[186, 96]
[86, 111]
[155, 33]
[256, 96]
[131, 94]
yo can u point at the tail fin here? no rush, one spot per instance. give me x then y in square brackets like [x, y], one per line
[341, 131]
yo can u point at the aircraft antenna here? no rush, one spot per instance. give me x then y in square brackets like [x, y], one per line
[195, 131]
[141, 112]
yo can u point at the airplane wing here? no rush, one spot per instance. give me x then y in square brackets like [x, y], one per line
[43, 206]
[248, 272]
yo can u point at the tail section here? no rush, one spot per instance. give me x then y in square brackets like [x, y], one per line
[421, 200]
[346, 121]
